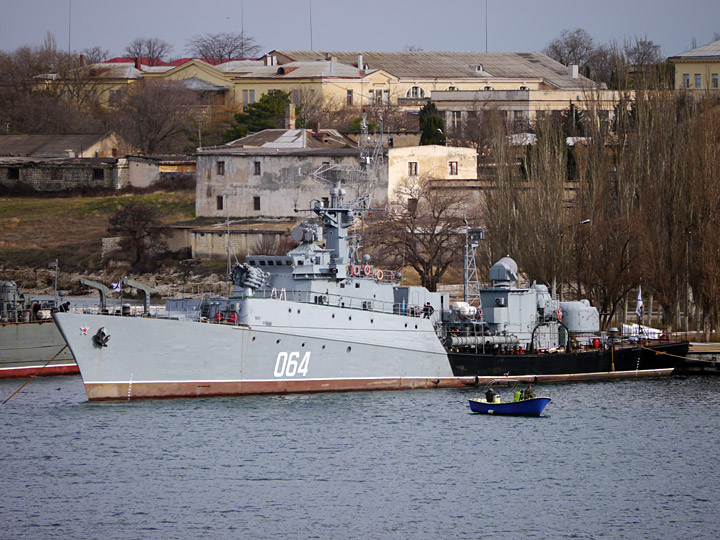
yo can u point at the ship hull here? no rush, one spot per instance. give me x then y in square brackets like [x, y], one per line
[647, 358]
[302, 348]
[34, 349]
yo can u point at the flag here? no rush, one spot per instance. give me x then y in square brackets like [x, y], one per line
[116, 287]
[639, 307]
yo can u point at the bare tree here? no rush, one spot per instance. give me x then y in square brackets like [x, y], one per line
[139, 228]
[95, 55]
[154, 50]
[223, 46]
[571, 47]
[157, 116]
[422, 228]
[42, 91]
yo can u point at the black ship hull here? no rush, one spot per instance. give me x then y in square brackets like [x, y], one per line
[625, 358]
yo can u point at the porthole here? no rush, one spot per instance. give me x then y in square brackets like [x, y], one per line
[278, 341]
[289, 310]
[333, 315]
[323, 347]
[372, 321]
[350, 318]
[253, 338]
[302, 345]
[349, 349]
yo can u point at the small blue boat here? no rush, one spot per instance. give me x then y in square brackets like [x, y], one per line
[526, 407]
[492, 404]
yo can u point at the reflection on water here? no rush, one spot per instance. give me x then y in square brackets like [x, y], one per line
[627, 459]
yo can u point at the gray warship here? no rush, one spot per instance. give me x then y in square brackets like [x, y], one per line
[320, 319]
[30, 343]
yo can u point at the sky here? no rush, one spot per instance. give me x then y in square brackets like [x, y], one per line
[364, 25]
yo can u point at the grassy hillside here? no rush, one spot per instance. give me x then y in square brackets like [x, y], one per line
[34, 231]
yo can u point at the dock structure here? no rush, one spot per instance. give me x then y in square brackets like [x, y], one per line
[702, 358]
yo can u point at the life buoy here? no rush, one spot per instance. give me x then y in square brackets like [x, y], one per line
[367, 269]
[356, 270]
[379, 275]
[218, 317]
[558, 312]
[232, 317]
[478, 313]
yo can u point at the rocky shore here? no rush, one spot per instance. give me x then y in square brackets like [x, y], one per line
[42, 281]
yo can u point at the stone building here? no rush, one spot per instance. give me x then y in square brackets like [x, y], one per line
[58, 174]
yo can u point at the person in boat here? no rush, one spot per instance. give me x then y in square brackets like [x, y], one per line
[528, 393]
[427, 310]
[490, 395]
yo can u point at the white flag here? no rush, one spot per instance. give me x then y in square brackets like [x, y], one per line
[639, 307]
[116, 287]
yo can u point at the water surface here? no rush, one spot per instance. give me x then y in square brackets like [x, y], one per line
[628, 459]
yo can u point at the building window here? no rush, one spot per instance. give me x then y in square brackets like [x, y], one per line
[219, 202]
[487, 88]
[379, 97]
[412, 168]
[715, 81]
[221, 168]
[698, 80]
[256, 165]
[452, 88]
[371, 95]
[686, 80]
[248, 97]
[256, 203]
[13, 173]
[115, 98]
[349, 97]
[453, 168]
[98, 174]
[412, 205]
[415, 93]
[455, 119]
[386, 96]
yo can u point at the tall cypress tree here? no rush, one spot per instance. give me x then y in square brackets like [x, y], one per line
[431, 126]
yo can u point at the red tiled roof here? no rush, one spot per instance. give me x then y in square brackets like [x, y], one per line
[145, 61]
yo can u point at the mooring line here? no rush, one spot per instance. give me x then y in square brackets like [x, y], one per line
[35, 374]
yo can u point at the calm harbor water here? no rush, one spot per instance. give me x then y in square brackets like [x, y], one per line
[628, 459]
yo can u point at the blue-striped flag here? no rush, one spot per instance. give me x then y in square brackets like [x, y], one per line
[639, 307]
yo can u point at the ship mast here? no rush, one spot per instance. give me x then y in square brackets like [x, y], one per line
[471, 281]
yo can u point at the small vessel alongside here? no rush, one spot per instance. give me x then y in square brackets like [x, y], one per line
[30, 342]
[320, 319]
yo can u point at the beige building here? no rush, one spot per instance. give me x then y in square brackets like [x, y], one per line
[430, 162]
[698, 69]
[419, 74]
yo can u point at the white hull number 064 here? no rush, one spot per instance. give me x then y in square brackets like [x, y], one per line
[289, 364]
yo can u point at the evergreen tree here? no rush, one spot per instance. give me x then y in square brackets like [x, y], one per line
[432, 126]
[266, 113]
